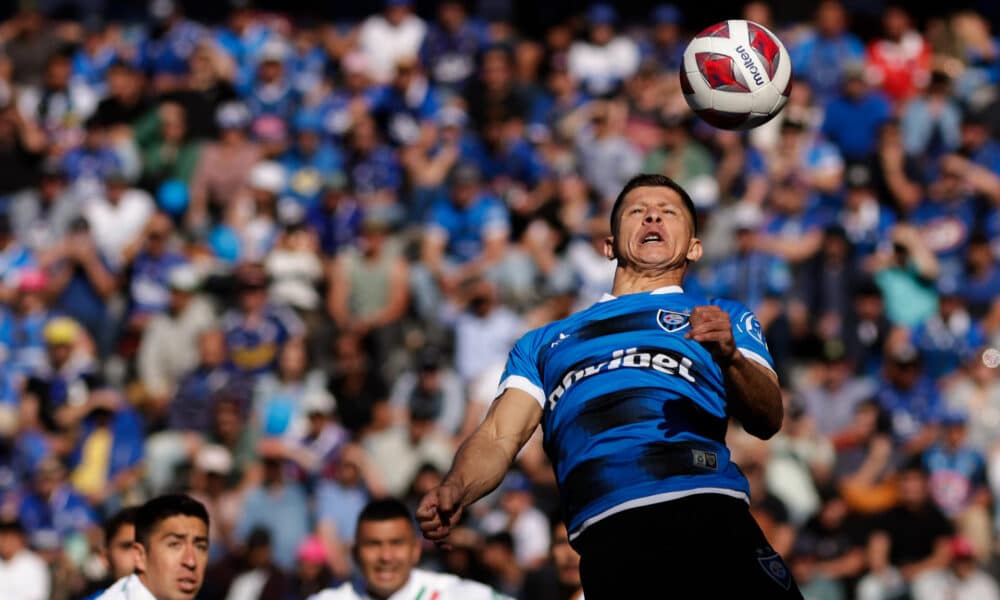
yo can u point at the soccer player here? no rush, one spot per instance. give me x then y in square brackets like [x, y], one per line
[386, 550]
[170, 551]
[119, 540]
[634, 396]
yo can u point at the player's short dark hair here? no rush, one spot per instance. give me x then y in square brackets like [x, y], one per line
[125, 516]
[652, 180]
[386, 509]
[161, 508]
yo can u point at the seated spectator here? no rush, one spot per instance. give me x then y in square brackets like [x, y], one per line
[339, 502]
[211, 484]
[833, 393]
[975, 392]
[866, 221]
[866, 461]
[900, 60]
[399, 451]
[271, 92]
[559, 578]
[256, 329]
[950, 336]
[59, 105]
[405, 108]
[336, 217]
[433, 388]
[852, 121]
[295, 269]
[170, 153]
[449, 49]
[372, 166]
[106, 460]
[930, 122]
[964, 578]
[497, 556]
[310, 160]
[909, 542]
[119, 538]
[517, 515]
[801, 460]
[24, 573]
[149, 259]
[830, 550]
[981, 282]
[81, 279]
[277, 506]
[279, 396]
[357, 384]
[41, 217]
[466, 235]
[261, 577]
[369, 287]
[910, 398]
[169, 345]
[59, 391]
[607, 158]
[312, 574]
[904, 275]
[484, 329]
[684, 160]
[386, 37]
[15, 257]
[223, 167]
[51, 511]
[822, 55]
[605, 59]
[957, 481]
[665, 46]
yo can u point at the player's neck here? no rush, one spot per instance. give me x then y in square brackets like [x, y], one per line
[630, 281]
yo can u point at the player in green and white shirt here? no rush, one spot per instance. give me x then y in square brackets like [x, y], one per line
[386, 550]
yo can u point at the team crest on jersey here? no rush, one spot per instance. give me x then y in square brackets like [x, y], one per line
[671, 321]
[776, 569]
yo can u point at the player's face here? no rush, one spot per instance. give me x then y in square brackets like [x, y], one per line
[655, 231]
[120, 553]
[386, 551]
[565, 558]
[173, 566]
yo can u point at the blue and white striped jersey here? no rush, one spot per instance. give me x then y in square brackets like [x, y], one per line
[634, 413]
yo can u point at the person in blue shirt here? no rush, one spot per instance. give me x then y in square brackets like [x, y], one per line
[822, 56]
[946, 219]
[172, 39]
[665, 46]
[271, 92]
[336, 217]
[406, 106]
[910, 398]
[450, 47]
[981, 279]
[372, 165]
[634, 396]
[149, 293]
[957, 471]
[94, 160]
[51, 509]
[853, 120]
[949, 337]
[310, 159]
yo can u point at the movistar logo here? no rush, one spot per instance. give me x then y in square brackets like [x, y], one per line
[664, 361]
[749, 64]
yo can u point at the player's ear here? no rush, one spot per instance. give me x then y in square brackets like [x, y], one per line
[610, 252]
[139, 555]
[694, 250]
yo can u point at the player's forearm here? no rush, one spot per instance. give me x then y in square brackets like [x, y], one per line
[754, 397]
[480, 465]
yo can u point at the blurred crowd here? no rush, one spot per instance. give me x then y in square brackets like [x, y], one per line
[278, 263]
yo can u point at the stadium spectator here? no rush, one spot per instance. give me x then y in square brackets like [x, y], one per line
[964, 579]
[822, 56]
[276, 505]
[853, 119]
[900, 61]
[449, 49]
[527, 526]
[559, 578]
[117, 550]
[25, 574]
[261, 579]
[431, 385]
[909, 542]
[385, 38]
[604, 60]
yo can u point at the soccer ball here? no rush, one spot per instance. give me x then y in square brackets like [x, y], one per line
[736, 74]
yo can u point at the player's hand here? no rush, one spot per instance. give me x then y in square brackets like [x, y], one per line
[711, 327]
[438, 513]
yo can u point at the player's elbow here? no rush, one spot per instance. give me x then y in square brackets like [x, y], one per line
[767, 426]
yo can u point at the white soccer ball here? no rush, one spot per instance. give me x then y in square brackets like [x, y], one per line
[736, 74]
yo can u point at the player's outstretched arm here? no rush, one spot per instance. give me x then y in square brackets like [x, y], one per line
[481, 462]
[753, 392]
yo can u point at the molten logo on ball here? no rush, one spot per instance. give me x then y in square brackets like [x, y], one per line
[736, 75]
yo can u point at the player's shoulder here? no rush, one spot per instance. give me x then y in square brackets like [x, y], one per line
[453, 587]
[733, 307]
[344, 591]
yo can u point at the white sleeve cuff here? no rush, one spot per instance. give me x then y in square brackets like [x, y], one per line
[757, 358]
[522, 383]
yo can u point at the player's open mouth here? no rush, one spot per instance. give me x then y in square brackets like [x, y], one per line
[187, 585]
[651, 238]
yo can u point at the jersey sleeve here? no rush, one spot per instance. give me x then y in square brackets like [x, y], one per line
[748, 333]
[521, 371]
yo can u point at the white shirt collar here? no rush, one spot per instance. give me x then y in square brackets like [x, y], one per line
[667, 289]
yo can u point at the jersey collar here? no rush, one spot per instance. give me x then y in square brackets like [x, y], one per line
[667, 289]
